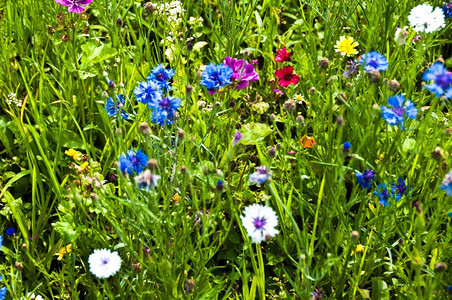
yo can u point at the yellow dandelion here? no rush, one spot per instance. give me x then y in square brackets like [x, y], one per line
[64, 251]
[72, 153]
[346, 46]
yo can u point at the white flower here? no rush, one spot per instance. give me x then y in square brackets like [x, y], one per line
[103, 263]
[260, 222]
[147, 180]
[425, 18]
[32, 296]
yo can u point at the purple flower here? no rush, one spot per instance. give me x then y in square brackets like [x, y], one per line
[383, 194]
[242, 72]
[238, 136]
[74, 5]
[373, 61]
[132, 161]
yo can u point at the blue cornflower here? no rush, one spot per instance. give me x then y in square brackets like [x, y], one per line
[10, 231]
[373, 61]
[3, 291]
[450, 214]
[164, 110]
[147, 92]
[116, 108]
[383, 194]
[442, 80]
[365, 179]
[132, 161]
[396, 115]
[398, 189]
[260, 176]
[447, 9]
[1, 241]
[446, 185]
[215, 77]
[346, 147]
[161, 76]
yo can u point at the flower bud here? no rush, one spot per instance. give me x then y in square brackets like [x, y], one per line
[19, 266]
[354, 235]
[394, 85]
[440, 267]
[189, 286]
[180, 134]
[374, 76]
[152, 164]
[272, 152]
[144, 128]
[290, 105]
[324, 63]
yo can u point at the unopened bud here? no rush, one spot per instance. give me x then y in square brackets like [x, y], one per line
[290, 105]
[152, 164]
[65, 38]
[118, 131]
[183, 170]
[340, 120]
[119, 22]
[149, 7]
[300, 120]
[354, 235]
[272, 117]
[144, 128]
[324, 62]
[312, 90]
[438, 153]
[24, 246]
[394, 85]
[374, 76]
[220, 186]
[19, 266]
[136, 267]
[272, 152]
[180, 134]
[440, 267]
[189, 286]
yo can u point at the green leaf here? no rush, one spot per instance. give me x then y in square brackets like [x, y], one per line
[408, 145]
[70, 139]
[68, 229]
[253, 133]
[95, 54]
[379, 289]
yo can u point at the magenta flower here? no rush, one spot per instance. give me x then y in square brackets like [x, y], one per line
[242, 72]
[74, 5]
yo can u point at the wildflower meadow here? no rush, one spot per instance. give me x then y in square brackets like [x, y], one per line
[225, 149]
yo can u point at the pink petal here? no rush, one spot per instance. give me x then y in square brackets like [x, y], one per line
[63, 2]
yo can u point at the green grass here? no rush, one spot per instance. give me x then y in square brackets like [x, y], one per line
[313, 191]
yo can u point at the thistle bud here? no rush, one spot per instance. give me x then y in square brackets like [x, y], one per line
[354, 235]
[324, 63]
[189, 286]
[152, 164]
[374, 76]
[144, 128]
[440, 267]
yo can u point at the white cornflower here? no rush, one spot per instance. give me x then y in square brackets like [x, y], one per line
[103, 263]
[11, 98]
[147, 180]
[425, 18]
[260, 222]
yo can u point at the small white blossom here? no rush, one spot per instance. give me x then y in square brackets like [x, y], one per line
[103, 263]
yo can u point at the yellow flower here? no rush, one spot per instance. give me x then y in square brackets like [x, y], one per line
[84, 166]
[346, 46]
[63, 251]
[72, 153]
[307, 142]
[176, 197]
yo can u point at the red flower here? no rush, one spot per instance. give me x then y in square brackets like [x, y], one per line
[286, 76]
[282, 55]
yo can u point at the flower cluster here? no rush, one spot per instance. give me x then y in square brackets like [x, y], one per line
[286, 74]
[152, 92]
[395, 190]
